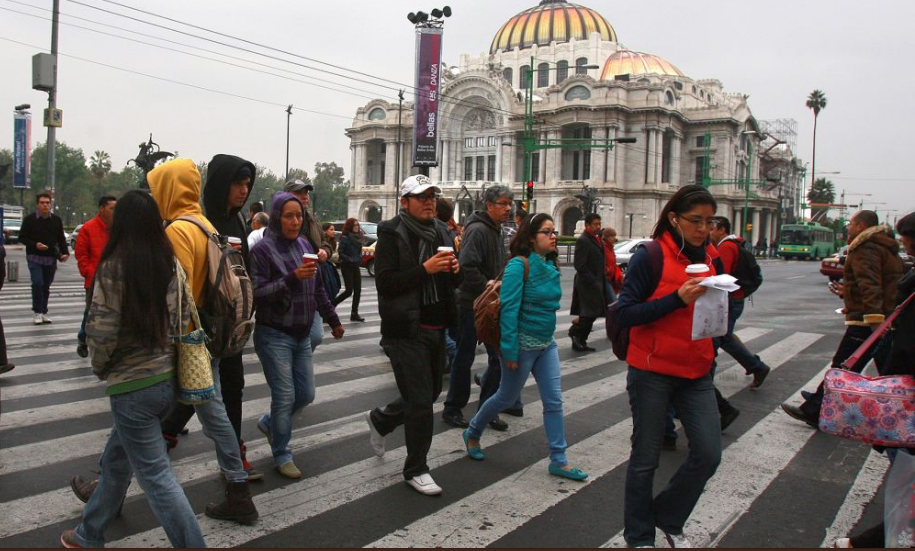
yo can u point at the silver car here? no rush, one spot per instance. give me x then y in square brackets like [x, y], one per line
[625, 249]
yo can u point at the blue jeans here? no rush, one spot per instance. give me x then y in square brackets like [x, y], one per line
[81, 335]
[650, 394]
[459, 386]
[136, 447]
[317, 332]
[733, 345]
[544, 365]
[291, 377]
[217, 427]
[42, 278]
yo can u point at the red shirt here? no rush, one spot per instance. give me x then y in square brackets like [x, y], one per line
[613, 272]
[90, 242]
[729, 253]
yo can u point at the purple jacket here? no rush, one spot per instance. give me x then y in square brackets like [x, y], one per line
[282, 301]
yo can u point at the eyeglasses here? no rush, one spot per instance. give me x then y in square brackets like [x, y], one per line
[505, 204]
[426, 197]
[710, 222]
[549, 233]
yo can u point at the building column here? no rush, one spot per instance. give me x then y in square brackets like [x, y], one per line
[446, 154]
[612, 157]
[651, 169]
[598, 156]
[676, 146]
[359, 173]
[542, 161]
[390, 164]
[553, 168]
[756, 229]
[499, 159]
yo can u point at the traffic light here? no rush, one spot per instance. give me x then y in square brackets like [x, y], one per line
[749, 227]
[530, 191]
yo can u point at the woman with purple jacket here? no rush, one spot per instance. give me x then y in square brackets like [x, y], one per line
[286, 296]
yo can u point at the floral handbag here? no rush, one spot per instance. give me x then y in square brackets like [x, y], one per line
[195, 374]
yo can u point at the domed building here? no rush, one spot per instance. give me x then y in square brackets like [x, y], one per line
[587, 86]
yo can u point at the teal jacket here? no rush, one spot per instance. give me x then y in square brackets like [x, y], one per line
[528, 308]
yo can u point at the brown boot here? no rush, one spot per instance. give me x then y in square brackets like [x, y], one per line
[237, 506]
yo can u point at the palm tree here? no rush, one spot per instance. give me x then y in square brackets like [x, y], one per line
[100, 166]
[816, 101]
[822, 192]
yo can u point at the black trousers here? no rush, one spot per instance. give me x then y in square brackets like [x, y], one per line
[418, 368]
[352, 280]
[3, 359]
[582, 329]
[232, 383]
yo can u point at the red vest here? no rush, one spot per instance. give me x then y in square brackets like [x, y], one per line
[666, 346]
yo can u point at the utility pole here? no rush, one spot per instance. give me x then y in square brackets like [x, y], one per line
[288, 120]
[399, 154]
[52, 99]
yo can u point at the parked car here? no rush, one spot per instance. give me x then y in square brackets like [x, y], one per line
[625, 250]
[833, 267]
[11, 231]
[72, 238]
[368, 259]
[370, 229]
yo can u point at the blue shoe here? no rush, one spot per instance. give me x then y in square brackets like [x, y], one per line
[475, 452]
[265, 429]
[571, 474]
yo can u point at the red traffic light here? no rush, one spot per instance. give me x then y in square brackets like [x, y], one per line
[530, 191]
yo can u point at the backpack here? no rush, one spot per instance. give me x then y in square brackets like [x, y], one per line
[486, 309]
[747, 271]
[228, 296]
[616, 334]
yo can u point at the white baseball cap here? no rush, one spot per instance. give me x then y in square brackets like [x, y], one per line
[417, 184]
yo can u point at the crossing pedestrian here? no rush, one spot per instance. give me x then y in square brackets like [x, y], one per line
[529, 298]
[482, 258]
[666, 367]
[90, 242]
[612, 271]
[589, 291]
[416, 302]
[45, 245]
[287, 295]
[253, 210]
[175, 185]
[350, 250]
[134, 306]
[5, 365]
[328, 270]
[258, 225]
[870, 278]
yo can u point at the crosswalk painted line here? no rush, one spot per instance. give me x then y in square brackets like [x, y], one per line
[862, 492]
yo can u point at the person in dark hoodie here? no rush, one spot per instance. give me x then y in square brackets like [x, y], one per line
[229, 183]
[482, 258]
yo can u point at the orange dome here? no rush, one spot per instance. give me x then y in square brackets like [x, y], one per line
[636, 63]
[551, 21]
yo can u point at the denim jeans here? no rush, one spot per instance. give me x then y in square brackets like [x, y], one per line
[544, 365]
[459, 387]
[650, 394]
[216, 426]
[81, 335]
[418, 365]
[317, 332]
[135, 446]
[732, 344]
[291, 377]
[42, 278]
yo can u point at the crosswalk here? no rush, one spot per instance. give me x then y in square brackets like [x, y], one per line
[775, 472]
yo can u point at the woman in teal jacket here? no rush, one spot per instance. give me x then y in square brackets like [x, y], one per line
[527, 321]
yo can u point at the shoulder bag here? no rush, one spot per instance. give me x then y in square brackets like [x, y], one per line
[195, 373]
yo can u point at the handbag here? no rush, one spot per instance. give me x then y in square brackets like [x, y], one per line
[487, 309]
[195, 373]
[876, 410]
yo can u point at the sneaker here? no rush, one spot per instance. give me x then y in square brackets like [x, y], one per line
[759, 377]
[677, 540]
[36, 319]
[253, 474]
[82, 350]
[262, 426]
[799, 414]
[68, 540]
[45, 318]
[843, 543]
[289, 470]
[6, 368]
[425, 485]
[375, 437]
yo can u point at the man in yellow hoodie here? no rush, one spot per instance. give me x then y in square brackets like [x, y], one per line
[175, 186]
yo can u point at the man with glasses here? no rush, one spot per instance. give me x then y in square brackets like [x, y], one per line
[482, 259]
[589, 293]
[416, 302]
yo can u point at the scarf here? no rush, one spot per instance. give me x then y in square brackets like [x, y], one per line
[696, 255]
[427, 236]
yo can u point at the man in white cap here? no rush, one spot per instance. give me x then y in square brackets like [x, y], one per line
[416, 283]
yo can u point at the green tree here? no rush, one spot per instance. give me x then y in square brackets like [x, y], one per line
[6, 176]
[816, 101]
[330, 195]
[100, 166]
[125, 180]
[74, 194]
[822, 192]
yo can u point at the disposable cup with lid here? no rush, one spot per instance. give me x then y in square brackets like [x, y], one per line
[698, 270]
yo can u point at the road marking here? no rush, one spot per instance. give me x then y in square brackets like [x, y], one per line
[862, 493]
[797, 277]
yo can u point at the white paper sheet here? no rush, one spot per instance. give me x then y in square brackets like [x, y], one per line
[710, 315]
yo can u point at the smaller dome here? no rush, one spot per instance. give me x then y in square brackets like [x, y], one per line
[633, 63]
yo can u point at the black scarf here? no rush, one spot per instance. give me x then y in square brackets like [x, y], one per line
[696, 255]
[427, 236]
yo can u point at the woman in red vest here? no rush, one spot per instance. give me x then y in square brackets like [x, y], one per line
[667, 367]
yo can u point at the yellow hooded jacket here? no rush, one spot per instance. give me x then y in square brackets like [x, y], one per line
[175, 186]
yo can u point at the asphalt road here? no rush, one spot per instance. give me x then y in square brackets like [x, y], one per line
[780, 483]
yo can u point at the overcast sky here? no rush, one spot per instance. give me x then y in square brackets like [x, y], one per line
[777, 52]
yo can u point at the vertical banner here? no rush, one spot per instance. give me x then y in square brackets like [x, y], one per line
[22, 151]
[425, 109]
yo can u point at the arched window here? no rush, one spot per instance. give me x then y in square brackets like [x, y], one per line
[578, 92]
[507, 75]
[377, 114]
[525, 75]
[543, 75]
[668, 98]
[562, 71]
[580, 64]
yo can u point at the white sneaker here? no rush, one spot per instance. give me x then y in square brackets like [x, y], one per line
[36, 319]
[45, 318]
[843, 543]
[425, 485]
[375, 437]
[679, 540]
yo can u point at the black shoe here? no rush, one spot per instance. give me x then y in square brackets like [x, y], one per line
[498, 424]
[728, 416]
[577, 345]
[6, 368]
[83, 488]
[669, 443]
[455, 419]
[356, 317]
[514, 412]
[82, 350]
[759, 377]
[477, 379]
[799, 414]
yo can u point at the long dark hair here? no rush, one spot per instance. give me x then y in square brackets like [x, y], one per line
[146, 265]
[685, 199]
[521, 243]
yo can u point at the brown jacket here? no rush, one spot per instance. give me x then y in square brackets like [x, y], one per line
[872, 271]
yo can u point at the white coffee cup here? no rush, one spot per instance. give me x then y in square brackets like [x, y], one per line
[235, 242]
[698, 270]
[308, 257]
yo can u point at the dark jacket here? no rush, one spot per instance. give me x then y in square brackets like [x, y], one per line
[872, 270]
[589, 292]
[482, 255]
[902, 356]
[350, 249]
[399, 278]
[49, 231]
[221, 172]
